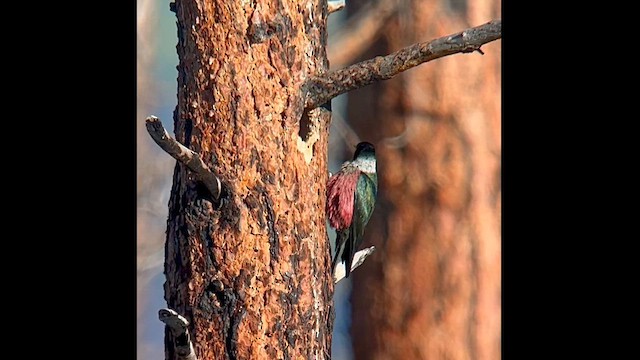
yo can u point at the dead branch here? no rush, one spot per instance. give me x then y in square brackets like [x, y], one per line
[358, 259]
[360, 32]
[321, 89]
[336, 5]
[177, 324]
[184, 155]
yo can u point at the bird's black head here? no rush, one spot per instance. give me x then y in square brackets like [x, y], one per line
[364, 148]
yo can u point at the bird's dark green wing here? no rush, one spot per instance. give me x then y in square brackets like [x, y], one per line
[363, 204]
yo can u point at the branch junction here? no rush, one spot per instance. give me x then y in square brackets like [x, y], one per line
[320, 89]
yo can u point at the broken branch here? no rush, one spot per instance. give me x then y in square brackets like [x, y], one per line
[336, 5]
[358, 259]
[184, 155]
[321, 89]
[177, 324]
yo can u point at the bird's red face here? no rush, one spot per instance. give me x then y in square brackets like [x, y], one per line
[340, 196]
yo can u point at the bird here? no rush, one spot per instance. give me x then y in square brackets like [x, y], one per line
[351, 198]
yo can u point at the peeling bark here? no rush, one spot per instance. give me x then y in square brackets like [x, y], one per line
[251, 273]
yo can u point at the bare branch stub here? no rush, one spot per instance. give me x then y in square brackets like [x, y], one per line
[321, 89]
[358, 259]
[177, 325]
[335, 5]
[184, 155]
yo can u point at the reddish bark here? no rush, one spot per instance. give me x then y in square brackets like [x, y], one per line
[251, 271]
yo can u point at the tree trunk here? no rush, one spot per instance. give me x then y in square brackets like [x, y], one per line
[251, 271]
[433, 290]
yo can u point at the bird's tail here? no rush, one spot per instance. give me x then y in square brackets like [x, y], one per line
[347, 256]
[341, 239]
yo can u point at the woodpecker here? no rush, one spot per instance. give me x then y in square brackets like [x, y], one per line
[351, 197]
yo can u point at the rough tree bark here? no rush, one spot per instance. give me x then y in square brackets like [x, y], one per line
[433, 290]
[247, 258]
[250, 270]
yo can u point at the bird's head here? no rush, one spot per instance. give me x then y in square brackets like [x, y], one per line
[365, 149]
[365, 157]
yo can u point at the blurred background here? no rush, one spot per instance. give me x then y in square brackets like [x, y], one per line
[432, 290]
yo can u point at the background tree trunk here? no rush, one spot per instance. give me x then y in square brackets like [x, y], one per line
[433, 289]
[251, 271]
